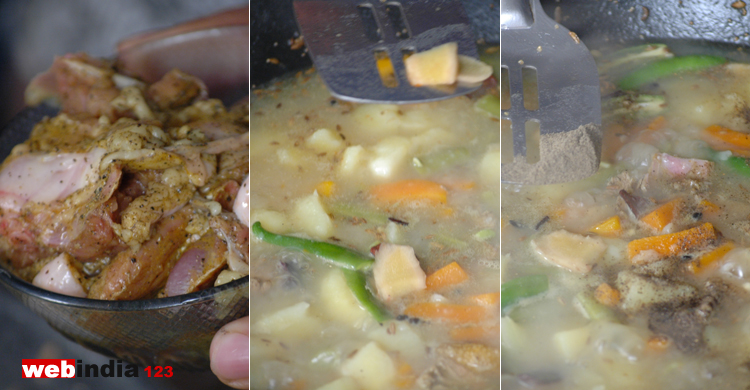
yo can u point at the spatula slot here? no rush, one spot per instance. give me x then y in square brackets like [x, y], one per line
[506, 141]
[504, 88]
[533, 135]
[370, 24]
[530, 88]
[398, 20]
[407, 52]
[385, 69]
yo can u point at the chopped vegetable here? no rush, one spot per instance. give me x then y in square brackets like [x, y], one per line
[449, 312]
[666, 67]
[436, 66]
[294, 320]
[595, 310]
[475, 333]
[570, 343]
[663, 215]
[636, 106]
[450, 275]
[607, 295]
[489, 104]
[410, 191]
[400, 337]
[625, 60]
[649, 249]
[397, 271]
[357, 211]
[459, 184]
[569, 250]
[610, 227]
[484, 234]
[343, 383]
[472, 70]
[512, 291]
[371, 367]
[657, 123]
[448, 241]
[707, 261]
[310, 216]
[440, 160]
[339, 256]
[710, 207]
[487, 299]
[325, 141]
[723, 138]
[358, 284]
[491, 56]
[338, 302]
[657, 343]
[325, 188]
[738, 165]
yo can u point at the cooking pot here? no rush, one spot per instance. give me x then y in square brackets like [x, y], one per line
[688, 27]
[698, 25]
[274, 32]
[704, 22]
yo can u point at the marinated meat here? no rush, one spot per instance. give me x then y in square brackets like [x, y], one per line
[124, 182]
[135, 274]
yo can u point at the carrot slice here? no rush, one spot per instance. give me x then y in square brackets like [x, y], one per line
[410, 190]
[606, 295]
[488, 299]
[657, 123]
[709, 207]
[709, 259]
[449, 275]
[611, 227]
[475, 333]
[447, 312]
[325, 188]
[671, 244]
[663, 215]
[461, 185]
[722, 137]
[657, 343]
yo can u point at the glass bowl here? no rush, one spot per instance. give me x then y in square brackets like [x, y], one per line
[175, 331]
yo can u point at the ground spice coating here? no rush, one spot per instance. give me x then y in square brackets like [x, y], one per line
[563, 157]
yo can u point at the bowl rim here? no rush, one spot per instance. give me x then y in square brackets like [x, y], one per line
[23, 287]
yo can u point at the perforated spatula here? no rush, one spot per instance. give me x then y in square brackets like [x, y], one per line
[346, 38]
[550, 103]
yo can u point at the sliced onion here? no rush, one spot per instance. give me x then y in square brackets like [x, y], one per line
[187, 268]
[59, 276]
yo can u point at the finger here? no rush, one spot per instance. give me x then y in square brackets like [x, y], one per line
[229, 353]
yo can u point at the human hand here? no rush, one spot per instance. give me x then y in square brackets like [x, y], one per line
[230, 354]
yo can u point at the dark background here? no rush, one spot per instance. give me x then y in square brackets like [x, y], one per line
[32, 32]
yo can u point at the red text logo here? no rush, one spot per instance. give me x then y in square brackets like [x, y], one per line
[48, 368]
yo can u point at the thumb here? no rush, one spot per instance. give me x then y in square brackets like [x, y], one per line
[229, 354]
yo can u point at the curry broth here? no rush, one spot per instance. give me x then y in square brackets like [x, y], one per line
[680, 319]
[315, 161]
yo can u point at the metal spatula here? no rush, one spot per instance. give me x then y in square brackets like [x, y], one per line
[347, 37]
[551, 109]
